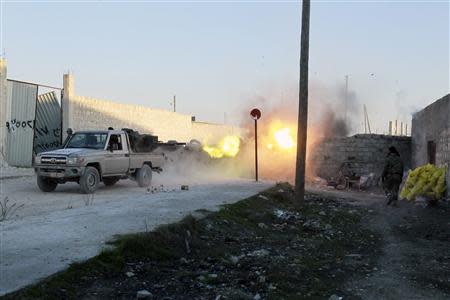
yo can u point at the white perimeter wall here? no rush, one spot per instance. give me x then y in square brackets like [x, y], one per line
[86, 113]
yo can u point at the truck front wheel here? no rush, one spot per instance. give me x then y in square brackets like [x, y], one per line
[144, 176]
[89, 180]
[46, 184]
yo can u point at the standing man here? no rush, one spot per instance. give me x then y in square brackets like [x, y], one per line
[392, 175]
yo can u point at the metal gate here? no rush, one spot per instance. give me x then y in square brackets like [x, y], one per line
[47, 129]
[21, 108]
[33, 122]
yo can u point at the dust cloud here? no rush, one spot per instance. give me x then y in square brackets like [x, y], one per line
[327, 119]
[277, 136]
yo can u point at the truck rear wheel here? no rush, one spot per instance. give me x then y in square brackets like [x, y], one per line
[89, 180]
[144, 176]
[109, 181]
[46, 184]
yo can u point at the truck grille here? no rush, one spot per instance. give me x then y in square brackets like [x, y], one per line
[49, 170]
[53, 160]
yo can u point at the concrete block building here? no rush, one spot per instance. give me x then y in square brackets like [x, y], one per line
[431, 135]
[362, 154]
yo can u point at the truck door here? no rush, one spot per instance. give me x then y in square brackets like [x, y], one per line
[117, 159]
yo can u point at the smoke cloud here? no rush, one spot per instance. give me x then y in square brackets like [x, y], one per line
[327, 110]
[331, 110]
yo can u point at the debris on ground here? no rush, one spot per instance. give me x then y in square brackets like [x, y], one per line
[160, 189]
[144, 294]
[317, 181]
[129, 274]
[367, 181]
[263, 197]
[252, 249]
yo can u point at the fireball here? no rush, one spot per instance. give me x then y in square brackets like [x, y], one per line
[230, 145]
[227, 147]
[278, 136]
[284, 138]
[213, 151]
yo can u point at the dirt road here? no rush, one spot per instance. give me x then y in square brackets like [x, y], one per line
[415, 263]
[52, 230]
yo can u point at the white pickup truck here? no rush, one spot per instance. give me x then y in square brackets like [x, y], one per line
[91, 157]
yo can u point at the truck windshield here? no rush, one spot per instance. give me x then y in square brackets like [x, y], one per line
[90, 140]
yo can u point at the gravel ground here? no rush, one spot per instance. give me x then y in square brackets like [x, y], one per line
[52, 230]
[415, 263]
[267, 246]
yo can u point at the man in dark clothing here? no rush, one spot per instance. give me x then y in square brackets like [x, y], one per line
[392, 175]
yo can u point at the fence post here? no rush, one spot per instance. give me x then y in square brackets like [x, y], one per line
[67, 104]
[3, 105]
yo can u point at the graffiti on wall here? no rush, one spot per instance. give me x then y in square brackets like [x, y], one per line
[52, 139]
[15, 124]
[52, 136]
[47, 131]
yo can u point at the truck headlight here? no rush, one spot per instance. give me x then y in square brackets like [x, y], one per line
[37, 159]
[74, 160]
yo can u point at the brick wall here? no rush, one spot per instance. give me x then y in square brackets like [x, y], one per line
[364, 154]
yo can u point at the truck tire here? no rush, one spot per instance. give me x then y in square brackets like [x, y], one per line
[144, 176]
[109, 181]
[89, 180]
[46, 184]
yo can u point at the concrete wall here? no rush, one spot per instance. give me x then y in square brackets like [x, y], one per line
[365, 153]
[84, 113]
[3, 101]
[67, 103]
[432, 124]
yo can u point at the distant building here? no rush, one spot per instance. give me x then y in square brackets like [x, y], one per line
[431, 135]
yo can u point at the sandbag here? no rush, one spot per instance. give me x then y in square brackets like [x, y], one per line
[427, 180]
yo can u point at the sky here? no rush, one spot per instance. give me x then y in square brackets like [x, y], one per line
[218, 57]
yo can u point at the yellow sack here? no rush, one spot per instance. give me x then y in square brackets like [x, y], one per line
[427, 181]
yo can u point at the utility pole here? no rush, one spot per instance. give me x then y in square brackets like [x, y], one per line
[366, 120]
[302, 105]
[174, 103]
[346, 100]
